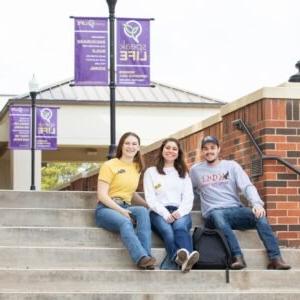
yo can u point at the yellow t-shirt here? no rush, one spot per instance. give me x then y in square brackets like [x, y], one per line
[122, 177]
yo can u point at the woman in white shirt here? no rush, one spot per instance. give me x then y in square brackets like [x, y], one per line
[169, 194]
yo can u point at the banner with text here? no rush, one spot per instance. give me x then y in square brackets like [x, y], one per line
[20, 128]
[133, 52]
[46, 128]
[91, 51]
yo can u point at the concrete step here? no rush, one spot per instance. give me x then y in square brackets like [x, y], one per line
[36, 199]
[88, 237]
[50, 248]
[107, 258]
[57, 217]
[259, 295]
[136, 281]
[47, 217]
[55, 199]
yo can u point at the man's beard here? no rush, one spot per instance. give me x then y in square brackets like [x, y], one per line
[211, 161]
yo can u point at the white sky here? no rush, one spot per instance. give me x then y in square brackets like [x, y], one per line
[219, 48]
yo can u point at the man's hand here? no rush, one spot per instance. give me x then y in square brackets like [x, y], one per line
[259, 211]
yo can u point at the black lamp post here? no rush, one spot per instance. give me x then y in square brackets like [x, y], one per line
[296, 77]
[33, 90]
[112, 84]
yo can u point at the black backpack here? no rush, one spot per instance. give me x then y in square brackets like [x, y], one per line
[213, 248]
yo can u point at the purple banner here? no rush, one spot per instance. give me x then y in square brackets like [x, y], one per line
[20, 128]
[133, 52]
[91, 51]
[46, 128]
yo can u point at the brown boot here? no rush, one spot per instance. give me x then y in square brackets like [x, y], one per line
[146, 262]
[238, 263]
[278, 264]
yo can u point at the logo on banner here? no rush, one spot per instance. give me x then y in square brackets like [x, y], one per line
[83, 22]
[46, 114]
[133, 30]
[17, 109]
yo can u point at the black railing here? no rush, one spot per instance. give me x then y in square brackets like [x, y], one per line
[239, 124]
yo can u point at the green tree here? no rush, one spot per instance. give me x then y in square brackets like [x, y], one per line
[58, 173]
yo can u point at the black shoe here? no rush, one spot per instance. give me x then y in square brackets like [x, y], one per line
[278, 264]
[238, 263]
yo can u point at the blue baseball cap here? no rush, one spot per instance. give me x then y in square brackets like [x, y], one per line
[209, 139]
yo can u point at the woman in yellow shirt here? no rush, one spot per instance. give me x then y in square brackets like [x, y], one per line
[117, 182]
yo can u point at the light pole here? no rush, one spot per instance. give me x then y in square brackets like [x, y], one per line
[296, 77]
[33, 90]
[112, 84]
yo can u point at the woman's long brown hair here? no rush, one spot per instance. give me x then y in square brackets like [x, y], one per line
[179, 163]
[138, 157]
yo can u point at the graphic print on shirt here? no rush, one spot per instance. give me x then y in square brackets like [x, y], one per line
[157, 186]
[121, 171]
[214, 179]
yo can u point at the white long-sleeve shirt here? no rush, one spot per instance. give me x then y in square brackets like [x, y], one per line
[168, 190]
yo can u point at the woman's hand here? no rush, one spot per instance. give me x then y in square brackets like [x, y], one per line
[126, 213]
[176, 215]
[103, 196]
[170, 219]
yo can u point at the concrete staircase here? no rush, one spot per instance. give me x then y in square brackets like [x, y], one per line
[50, 248]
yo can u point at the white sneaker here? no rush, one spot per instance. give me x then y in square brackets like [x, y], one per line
[182, 256]
[188, 264]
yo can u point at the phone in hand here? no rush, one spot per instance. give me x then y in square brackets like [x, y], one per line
[132, 218]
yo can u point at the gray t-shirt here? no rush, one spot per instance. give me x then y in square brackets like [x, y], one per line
[219, 186]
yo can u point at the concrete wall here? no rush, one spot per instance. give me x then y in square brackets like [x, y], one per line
[20, 170]
[4, 129]
[5, 174]
[90, 125]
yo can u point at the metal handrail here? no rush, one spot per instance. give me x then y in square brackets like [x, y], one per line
[239, 124]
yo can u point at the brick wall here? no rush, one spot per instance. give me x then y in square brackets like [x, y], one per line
[281, 187]
[275, 124]
[86, 182]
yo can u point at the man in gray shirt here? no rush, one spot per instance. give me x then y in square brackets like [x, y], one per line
[218, 184]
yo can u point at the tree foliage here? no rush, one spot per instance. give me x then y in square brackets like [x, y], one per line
[58, 173]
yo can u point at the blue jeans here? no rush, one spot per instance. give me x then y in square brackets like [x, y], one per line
[242, 218]
[136, 238]
[175, 235]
